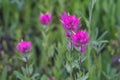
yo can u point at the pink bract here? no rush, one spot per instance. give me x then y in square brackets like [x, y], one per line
[80, 38]
[70, 22]
[24, 46]
[45, 19]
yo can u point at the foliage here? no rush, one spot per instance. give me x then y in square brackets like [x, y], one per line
[49, 57]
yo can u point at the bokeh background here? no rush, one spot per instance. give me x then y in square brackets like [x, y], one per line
[19, 19]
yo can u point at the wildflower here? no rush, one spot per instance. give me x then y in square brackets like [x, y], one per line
[45, 18]
[24, 46]
[80, 39]
[70, 22]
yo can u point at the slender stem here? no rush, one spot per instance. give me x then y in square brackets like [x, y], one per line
[27, 66]
[79, 62]
[71, 61]
[89, 30]
[45, 28]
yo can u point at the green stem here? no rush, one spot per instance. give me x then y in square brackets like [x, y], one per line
[80, 60]
[27, 66]
[89, 30]
[71, 61]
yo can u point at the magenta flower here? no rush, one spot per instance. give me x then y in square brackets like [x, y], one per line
[24, 46]
[70, 22]
[45, 18]
[80, 38]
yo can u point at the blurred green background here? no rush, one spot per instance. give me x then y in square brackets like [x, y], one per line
[19, 19]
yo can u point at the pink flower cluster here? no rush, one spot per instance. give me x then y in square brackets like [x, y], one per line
[70, 22]
[71, 25]
[24, 46]
[45, 19]
[81, 38]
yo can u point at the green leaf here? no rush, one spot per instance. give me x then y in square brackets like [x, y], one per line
[103, 35]
[20, 76]
[34, 76]
[23, 70]
[44, 77]
[82, 76]
[4, 74]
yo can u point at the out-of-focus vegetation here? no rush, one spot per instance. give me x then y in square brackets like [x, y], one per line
[19, 19]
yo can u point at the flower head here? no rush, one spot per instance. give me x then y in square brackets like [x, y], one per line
[45, 18]
[24, 46]
[80, 38]
[70, 22]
